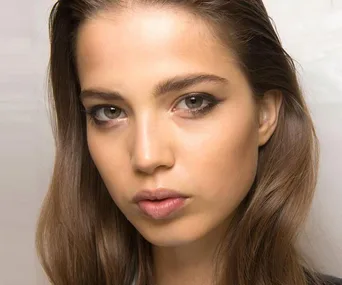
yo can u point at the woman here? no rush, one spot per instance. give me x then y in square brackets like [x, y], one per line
[185, 152]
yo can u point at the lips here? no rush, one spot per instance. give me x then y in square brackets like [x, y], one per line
[158, 194]
[159, 203]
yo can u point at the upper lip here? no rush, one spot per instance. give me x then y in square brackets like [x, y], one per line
[157, 194]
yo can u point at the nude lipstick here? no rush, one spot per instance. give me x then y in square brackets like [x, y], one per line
[160, 203]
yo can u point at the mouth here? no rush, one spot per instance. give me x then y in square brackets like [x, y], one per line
[160, 203]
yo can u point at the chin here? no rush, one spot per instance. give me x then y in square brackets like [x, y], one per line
[169, 241]
[173, 233]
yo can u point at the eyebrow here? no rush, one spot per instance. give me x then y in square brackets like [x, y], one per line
[176, 83]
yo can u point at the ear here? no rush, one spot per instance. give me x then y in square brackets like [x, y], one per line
[269, 106]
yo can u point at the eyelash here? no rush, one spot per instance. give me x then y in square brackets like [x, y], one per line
[199, 112]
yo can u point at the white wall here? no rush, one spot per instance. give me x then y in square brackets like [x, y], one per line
[26, 146]
[311, 31]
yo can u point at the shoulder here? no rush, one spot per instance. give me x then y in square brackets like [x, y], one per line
[331, 280]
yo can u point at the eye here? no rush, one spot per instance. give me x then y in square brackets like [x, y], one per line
[197, 103]
[193, 101]
[102, 114]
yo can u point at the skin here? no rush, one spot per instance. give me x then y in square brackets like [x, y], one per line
[155, 142]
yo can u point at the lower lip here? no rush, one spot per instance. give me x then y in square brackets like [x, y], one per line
[161, 209]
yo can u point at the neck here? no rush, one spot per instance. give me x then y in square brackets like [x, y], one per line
[191, 263]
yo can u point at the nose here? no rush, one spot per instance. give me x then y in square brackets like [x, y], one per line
[152, 146]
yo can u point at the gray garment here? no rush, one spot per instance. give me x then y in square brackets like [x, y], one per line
[331, 280]
[328, 280]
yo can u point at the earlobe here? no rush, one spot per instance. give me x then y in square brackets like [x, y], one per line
[269, 107]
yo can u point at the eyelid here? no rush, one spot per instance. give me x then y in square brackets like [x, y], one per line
[178, 100]
[213, 101]
[197, 94]
[92, 111]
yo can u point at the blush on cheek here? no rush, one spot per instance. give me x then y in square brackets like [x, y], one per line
[239, 161]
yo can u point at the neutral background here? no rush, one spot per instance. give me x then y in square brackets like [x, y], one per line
[311, 31]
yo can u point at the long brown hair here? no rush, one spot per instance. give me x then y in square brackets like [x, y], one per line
[83, 238]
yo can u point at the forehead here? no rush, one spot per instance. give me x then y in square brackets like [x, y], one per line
[147, 42]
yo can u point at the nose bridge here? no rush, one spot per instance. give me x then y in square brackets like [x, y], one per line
[151, 144]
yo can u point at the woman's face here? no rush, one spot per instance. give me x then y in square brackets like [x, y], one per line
[164, 64]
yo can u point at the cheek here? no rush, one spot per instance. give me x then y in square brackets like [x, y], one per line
[109, 158]
[229, 162]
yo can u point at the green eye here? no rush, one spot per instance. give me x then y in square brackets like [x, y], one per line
[197, 103]
[102, 114]
[107, 113]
